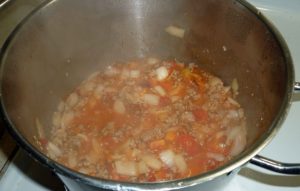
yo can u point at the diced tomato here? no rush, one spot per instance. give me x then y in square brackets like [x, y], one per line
[197, 164]
[151, 177]
[161, 174]
[158, 144]
[200, 114]
[170, 136]
[189, 144]
[167, 85]
[43, 142]
[180, 90]
[163, 101]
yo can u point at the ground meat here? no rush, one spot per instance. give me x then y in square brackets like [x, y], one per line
[148, 120]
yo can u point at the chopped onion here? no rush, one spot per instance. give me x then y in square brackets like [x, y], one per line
[152, 162]
[161, 73]
[56, 119]
[72, 160]
[151, 99]
[175, 31]
[167, 157]
[232, 133]
[142, 167]
[160, 90]
[175, 98]
[188, 116]
[134, 73]
[119, 107]
[61, 106]
[180, 163]
[214, 81]
[241, 113]
[111, 71]
[40, 128]
[237, 136]
[67, 117]
[233, 114]
[99, 90]
[235, 86]
[127, 168]
[125, 74]
[152, 61]
[72, 99]
[86, 87]
[53, 150]
[239, 142]
[82, 136]
[216, 156]
[233, 102]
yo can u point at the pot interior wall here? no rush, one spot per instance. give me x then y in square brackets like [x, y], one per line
[65, 41]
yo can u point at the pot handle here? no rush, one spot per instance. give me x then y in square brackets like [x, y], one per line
[297, 87]
[276, 166]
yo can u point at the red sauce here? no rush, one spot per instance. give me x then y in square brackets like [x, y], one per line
[146, 121]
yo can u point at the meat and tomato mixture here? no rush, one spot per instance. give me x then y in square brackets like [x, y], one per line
[146, 121]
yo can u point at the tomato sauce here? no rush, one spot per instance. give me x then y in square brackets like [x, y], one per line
[146, 121]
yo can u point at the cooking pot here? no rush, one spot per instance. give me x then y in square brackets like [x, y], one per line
[63, 41]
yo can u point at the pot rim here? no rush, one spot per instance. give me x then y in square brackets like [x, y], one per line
[232, 165]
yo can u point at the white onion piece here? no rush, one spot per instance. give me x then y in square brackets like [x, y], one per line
[161, 73]
[167, 157]
[233, 114]
[216, 156]
[188, 116]
[72, 99]
[180, 163]
[67, 117]
[232, 133]
[239, 143]
[53, 150]
[40, 128]
[72, 161]
[125, 74]
[160, 90]
[233, 102]
[175, 98]
[99, 91]
[237, 136]
[134, 73]
[119, 107]
[142, 167]
[56, 119]
[152, 162]
[151, 99]
[87, 87]
[175, 31]
[61, 106]
[127, 168]
[152, 61]
[235, 86]
[214, 81]
[111, 71]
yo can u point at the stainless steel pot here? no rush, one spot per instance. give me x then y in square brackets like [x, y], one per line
[63, 41]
